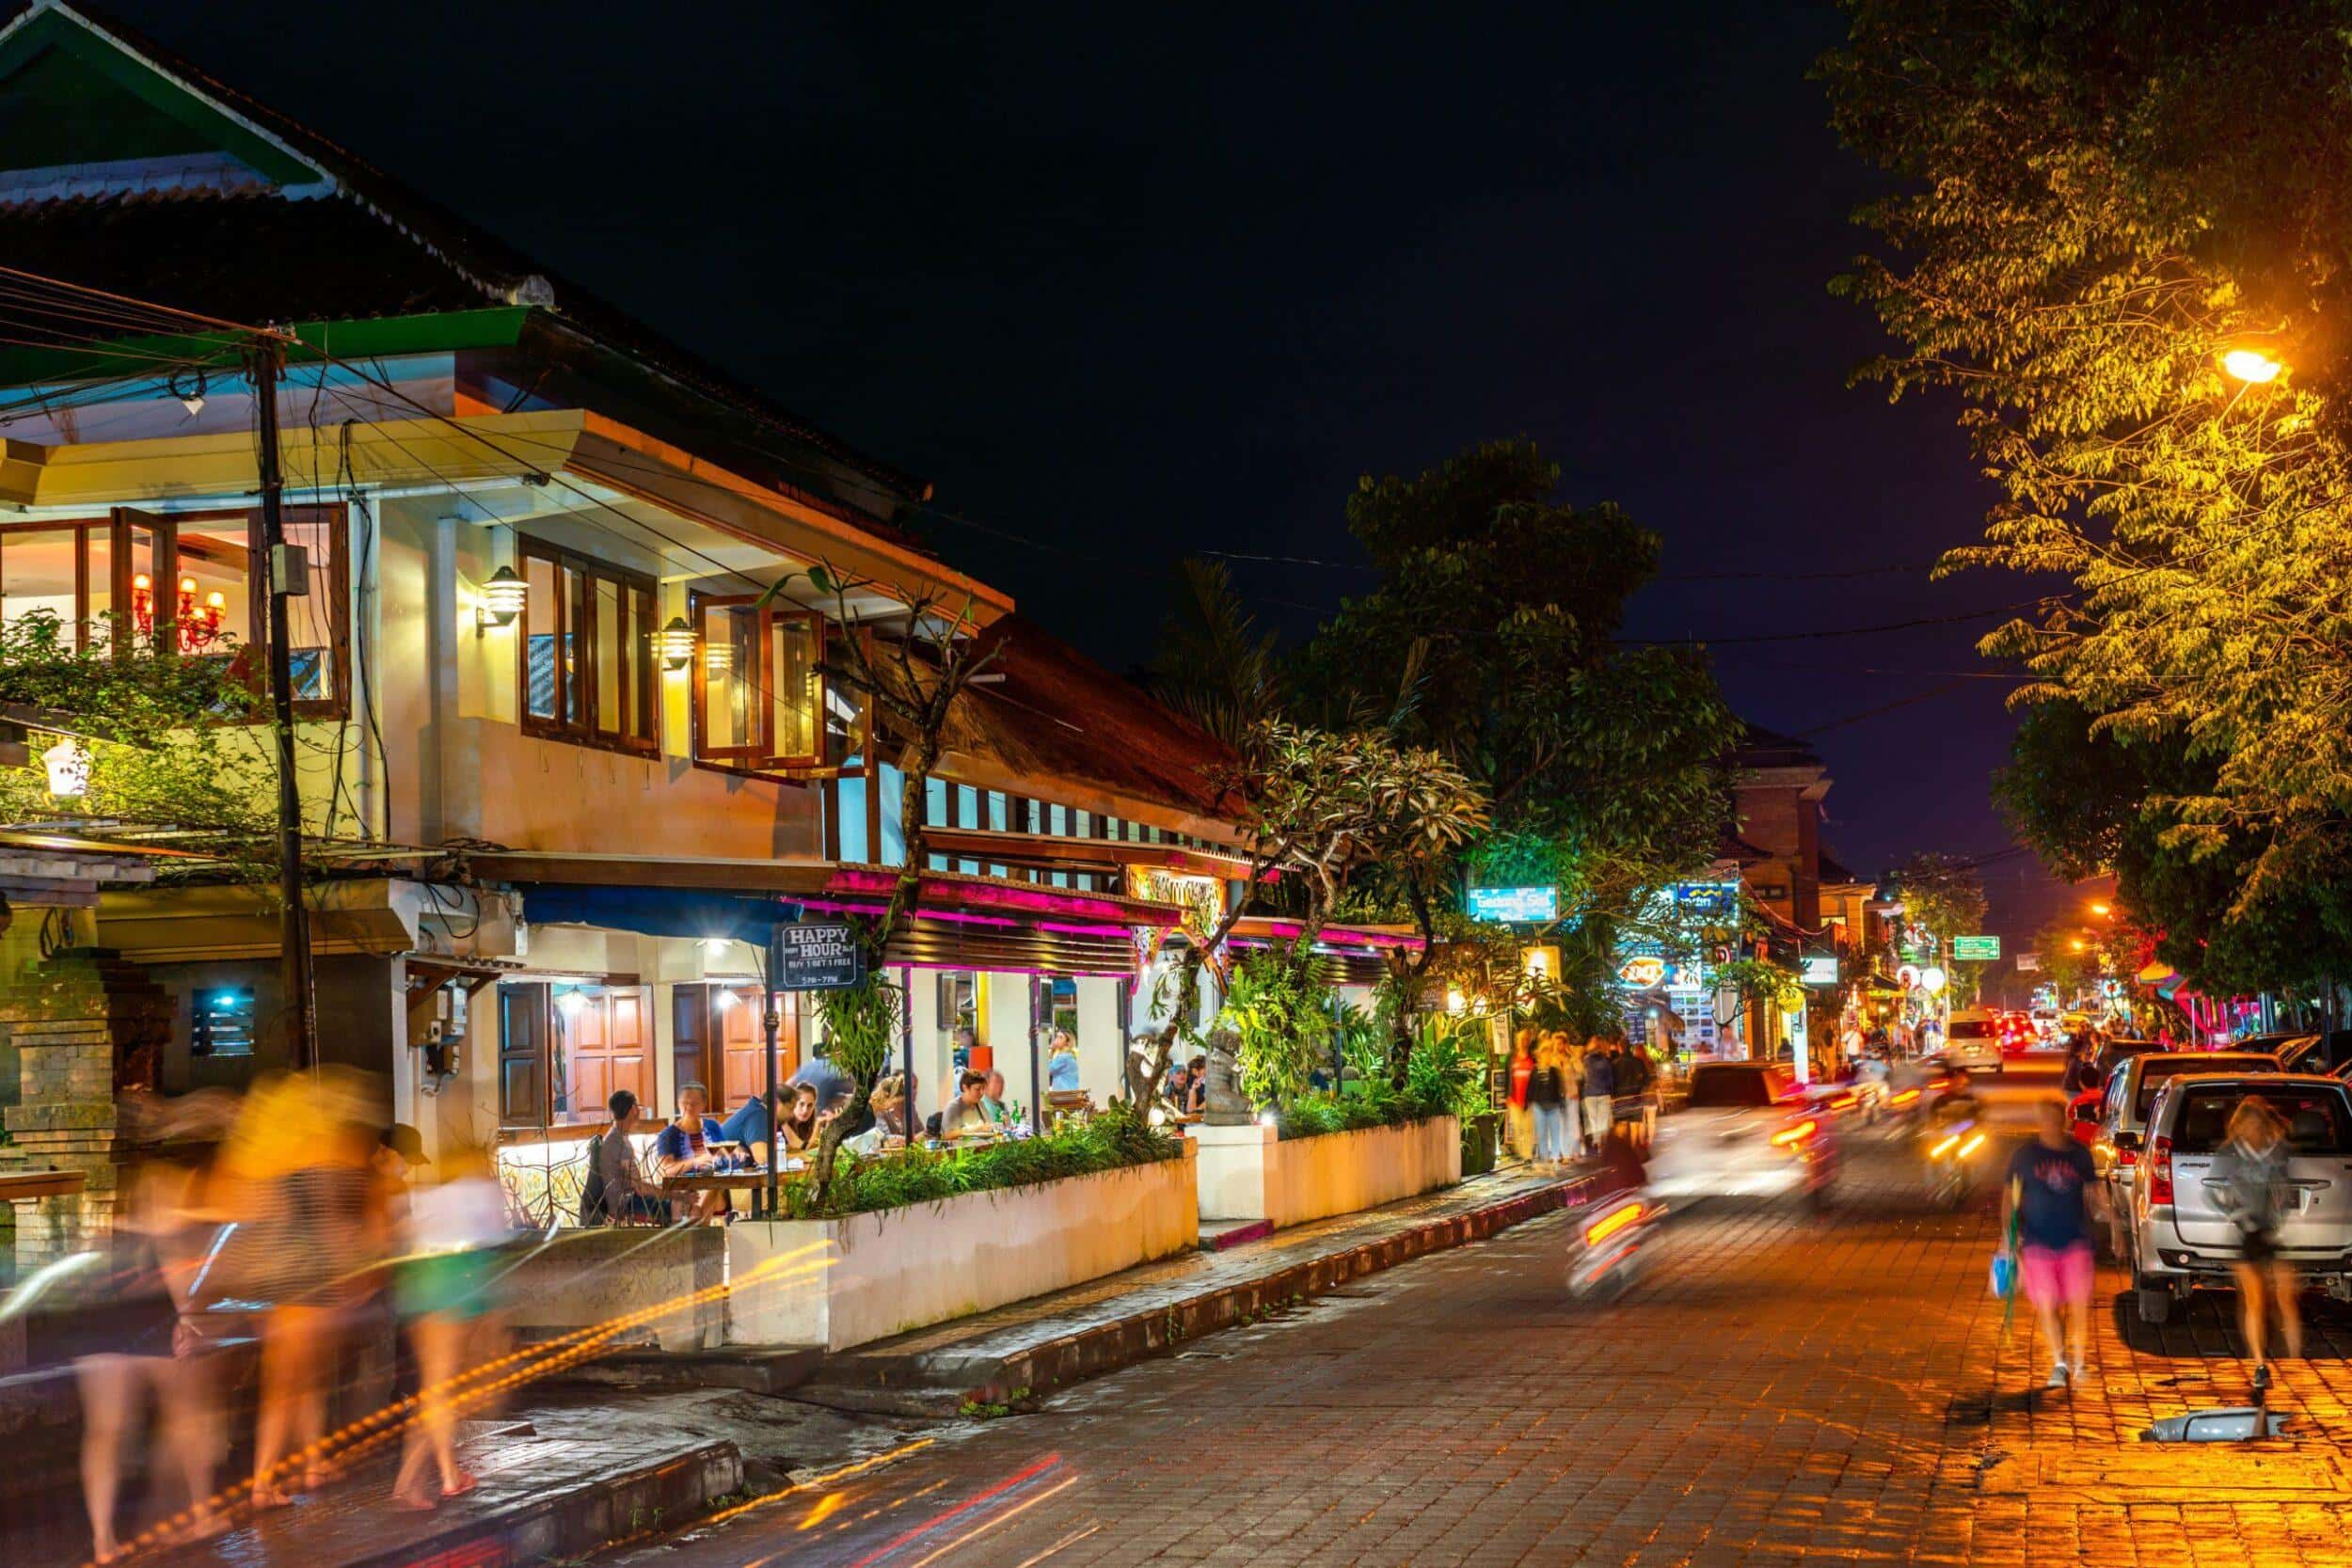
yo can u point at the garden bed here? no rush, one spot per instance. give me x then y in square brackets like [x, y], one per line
[1251, 1172]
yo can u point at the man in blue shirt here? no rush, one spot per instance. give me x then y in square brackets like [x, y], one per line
[2052, 1184]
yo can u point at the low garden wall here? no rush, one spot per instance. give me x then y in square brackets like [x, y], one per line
[1253, 1173]
[836, 1283]
[656, 1286]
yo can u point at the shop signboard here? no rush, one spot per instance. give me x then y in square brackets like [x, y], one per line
[1514, 906]
[2028, 962]
[1977, 949]
[1202, 898]
[818, 955]
[1643, 971]
[1706, 897]
[1820, 969]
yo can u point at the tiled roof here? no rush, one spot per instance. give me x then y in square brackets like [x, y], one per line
[1057, 713]
[248, 257]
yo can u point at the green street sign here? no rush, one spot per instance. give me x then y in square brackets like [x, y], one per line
[1980, 949]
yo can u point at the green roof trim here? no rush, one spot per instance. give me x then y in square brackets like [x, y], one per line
[379, 338]
[202, 121]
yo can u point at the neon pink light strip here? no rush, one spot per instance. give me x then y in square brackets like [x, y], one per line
[1037, 900]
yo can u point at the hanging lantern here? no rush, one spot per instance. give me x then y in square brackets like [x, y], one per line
[143, 604]
[502, 598]
[674, 644]
[67, 763]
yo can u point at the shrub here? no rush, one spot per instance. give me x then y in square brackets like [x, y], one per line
[1112, 1139]
[1376, 1105]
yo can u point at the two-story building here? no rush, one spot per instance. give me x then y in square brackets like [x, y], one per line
[566, 749]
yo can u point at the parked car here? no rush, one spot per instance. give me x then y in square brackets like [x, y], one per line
[2177, 1235]
[1974, 1039]
[2131, 1094]
[1746, 1130]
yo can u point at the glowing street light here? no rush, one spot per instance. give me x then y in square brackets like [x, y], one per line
[2251, 365]
[2102, 911]
[2076, 944]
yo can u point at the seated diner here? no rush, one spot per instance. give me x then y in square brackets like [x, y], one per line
[684, 1149]
[618, 1192]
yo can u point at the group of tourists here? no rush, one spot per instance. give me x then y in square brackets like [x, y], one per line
[1565, 1098]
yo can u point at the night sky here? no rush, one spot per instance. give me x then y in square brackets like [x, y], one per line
[1125, 289]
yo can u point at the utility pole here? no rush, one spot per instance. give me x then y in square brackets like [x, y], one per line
[286, 573]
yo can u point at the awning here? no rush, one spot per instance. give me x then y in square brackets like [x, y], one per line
[960, 922]
[656, 911]
[1356, 951]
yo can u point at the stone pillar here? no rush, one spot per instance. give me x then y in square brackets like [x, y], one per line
[87, 1026]
[65, 1122]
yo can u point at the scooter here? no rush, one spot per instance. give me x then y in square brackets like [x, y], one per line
[1952, 1146]
[1605, 1257]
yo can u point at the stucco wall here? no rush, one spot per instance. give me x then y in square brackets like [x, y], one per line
[847, 1282]
[1250, 1173]
[589, 1278]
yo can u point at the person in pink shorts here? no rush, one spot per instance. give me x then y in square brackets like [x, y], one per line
[2052, 1185]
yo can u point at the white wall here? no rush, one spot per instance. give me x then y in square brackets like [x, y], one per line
[1101, 1050]
[1251, 1173]
[849, 1282]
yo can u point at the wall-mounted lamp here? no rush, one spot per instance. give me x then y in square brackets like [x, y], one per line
[502, 599]
[674, 644]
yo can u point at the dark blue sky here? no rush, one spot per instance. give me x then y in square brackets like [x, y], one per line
[1127, 287]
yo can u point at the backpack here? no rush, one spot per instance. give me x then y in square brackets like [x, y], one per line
[592, 1209]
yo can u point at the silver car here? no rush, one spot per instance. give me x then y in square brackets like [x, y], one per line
[2115, 1149]
[1747, 1131]
[2178, 1235]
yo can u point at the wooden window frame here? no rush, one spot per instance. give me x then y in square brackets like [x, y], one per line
[121, 522]
[637, 681]
[762, 755]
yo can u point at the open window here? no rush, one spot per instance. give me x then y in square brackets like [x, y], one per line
[188, 584]
[586, 640]
[760, 696]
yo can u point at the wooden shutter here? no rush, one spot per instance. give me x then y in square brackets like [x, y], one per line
[522, 1056]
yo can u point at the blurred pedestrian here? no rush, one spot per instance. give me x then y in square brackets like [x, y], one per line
[1636, 1092]
[2050, 1192]
[442, 1289]
[1519, 1117]
[1548, 1101]
[2255, 1195]
[309, 1242]
[128, 1337]
[1599, 1093]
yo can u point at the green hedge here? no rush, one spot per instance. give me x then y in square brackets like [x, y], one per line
[1312, 1116]
[1113, 1139]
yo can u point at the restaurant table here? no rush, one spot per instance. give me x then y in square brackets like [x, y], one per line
[753, 1179]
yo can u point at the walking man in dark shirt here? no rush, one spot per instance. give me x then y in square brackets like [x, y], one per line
[2052, 1185]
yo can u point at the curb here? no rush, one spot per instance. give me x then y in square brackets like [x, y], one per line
[573, 1521]
[939, 1380]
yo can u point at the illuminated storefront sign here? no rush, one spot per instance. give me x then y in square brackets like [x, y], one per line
[1514, 905]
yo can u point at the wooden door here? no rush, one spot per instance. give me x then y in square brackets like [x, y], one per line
[692, 1054]
[629, 1044]
[742, 1045]
[522, 1054]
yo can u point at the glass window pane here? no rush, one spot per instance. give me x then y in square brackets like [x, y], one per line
[541, 618]
[310, 618]
[214, 589]
[642, 681]
[37, 576]
[98, 545]
[794, 682]
[611, 647]
[730, 638]
[574, 590]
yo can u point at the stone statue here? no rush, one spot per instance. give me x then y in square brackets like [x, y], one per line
[1227, 1105]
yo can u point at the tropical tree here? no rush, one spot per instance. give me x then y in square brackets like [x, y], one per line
[913, 663]
[1213, 665]
[1943, 898]
[1311, 806]
[2121, 236]
[1495, 616]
